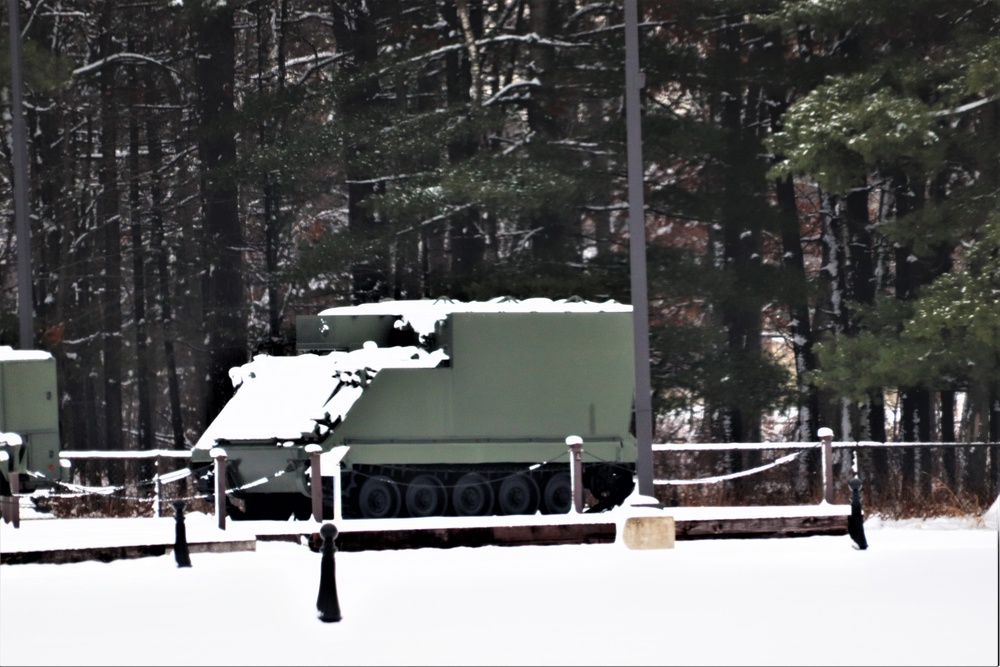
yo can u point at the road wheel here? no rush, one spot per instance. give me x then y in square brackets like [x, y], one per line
[425, 496]
[472, 495]
[379, 498]
[518, 494]
[558, 495]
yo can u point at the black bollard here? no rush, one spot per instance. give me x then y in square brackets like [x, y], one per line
[180, 539]
[856, 522]
[327, 604]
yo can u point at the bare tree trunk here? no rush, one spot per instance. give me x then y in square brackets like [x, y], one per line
[109, 218]
[556, 234]
[798, 310]
[164, 300]
[741, 237]
[224, 303]
[462, 79]
[142, 363]
[267, 130]
[355, 31]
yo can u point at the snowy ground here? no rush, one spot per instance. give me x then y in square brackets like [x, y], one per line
[923, 593]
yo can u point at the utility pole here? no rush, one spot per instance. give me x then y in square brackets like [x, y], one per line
[637, 255]
[20, 159]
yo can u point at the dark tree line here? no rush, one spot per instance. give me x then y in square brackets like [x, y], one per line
[821, 185]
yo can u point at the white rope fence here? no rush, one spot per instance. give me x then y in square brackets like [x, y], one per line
[722, 478]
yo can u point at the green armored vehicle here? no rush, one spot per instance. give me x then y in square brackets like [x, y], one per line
[434, 408]
[29, 420]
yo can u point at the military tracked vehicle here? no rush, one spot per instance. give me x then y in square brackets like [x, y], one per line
[434, 407]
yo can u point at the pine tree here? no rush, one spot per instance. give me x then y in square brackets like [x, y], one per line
[912, 117]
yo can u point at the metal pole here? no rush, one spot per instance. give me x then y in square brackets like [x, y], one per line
[826, 437]
[637, 255]
[20, 160]
[316, 481]
[157, 490]
[828, 469]
[338, 506]
[220, 485]
[575, 444]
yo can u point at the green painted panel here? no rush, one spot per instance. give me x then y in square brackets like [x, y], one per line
[403, 403]
[28, 397]
[43, 454]
[470, 452]
[514, 380]
[29, 407]
[543, 374]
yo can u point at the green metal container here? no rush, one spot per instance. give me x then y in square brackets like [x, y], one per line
[442, 408]
[29, 409]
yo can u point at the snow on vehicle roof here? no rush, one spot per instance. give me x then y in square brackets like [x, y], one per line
[7, 353]
[285, 398]
[442, 307]
[422, 314]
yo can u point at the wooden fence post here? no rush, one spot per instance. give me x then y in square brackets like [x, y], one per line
[10, 507]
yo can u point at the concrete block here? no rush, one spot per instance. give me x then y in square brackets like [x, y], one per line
[649, 532]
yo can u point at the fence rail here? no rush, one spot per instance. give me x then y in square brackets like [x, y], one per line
[770, 446]
[900, 478]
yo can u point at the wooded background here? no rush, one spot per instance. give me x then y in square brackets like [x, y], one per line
[822, 182]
